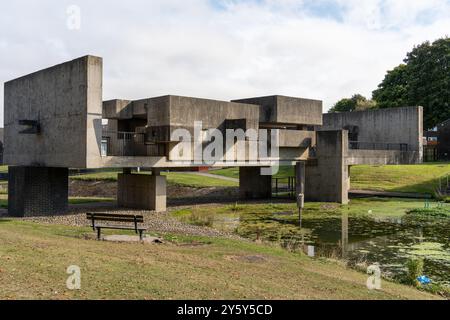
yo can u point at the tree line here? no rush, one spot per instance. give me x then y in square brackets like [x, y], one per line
[423, 79]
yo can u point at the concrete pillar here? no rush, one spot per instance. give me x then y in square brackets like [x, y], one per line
[37, 191]
[327, 180]
[253, 185]
[142, 191]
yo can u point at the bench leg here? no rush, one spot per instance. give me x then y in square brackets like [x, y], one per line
[99, 231]
[141, 237]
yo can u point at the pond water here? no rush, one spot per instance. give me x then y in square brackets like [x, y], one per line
[360, 240]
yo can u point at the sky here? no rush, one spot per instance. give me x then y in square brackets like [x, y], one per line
[221, 49]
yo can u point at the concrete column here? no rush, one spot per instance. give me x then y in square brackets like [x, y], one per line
[142, 191]
[328, 179]
[253, 185]
[37, 191]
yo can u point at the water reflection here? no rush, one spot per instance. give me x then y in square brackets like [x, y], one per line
[359, 240]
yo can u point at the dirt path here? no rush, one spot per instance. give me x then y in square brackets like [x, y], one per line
[214, 176]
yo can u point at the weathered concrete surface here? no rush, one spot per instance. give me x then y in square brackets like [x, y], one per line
[287, 110]
[66, 101]
[297, 139]
[329, 179]
[37, 191]
[395, 126]
[381, 157]
[184, 111]
[253, 185]
[117, 109]
[141, 191]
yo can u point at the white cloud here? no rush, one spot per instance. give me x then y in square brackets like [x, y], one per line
[244, 49]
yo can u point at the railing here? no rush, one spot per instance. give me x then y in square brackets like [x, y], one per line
[123, 144]
[358, 145]
[283, 187]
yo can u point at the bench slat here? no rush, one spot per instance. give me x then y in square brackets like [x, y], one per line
[118, 218]
[119, 227]
[100, 214]
[112, 215]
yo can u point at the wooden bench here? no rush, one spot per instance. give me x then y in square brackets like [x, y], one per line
[122, 218]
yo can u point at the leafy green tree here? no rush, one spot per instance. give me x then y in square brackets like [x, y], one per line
[393, 91]
[424, 80]
[356, 103]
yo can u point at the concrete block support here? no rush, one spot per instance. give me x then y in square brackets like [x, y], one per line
[140, 191]
[37, 191]
[253, 185]
[328, 179]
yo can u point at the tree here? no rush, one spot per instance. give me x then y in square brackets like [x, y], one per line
[393, 91]
[424, 80]
[356, 103]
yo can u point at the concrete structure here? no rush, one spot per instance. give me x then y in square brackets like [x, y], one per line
[53, 116]
[53, 119]
[392, 131]
[253, 185]
[35, 191]
[2, 139]
[327, 179]
[141, 191]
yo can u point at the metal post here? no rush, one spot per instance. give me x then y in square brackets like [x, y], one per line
[300, 172]
[300, 205]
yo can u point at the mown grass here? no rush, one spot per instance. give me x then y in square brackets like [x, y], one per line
[173, 178]
[283, 172]
[34, 259]
[72, 200]
[423, 178]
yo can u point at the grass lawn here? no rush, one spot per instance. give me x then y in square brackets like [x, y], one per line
[421, 178]
[72, 200]
[283, 172]
[34, 259]
[173, 178]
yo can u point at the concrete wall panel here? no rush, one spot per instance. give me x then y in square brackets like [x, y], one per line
[396, 125]
[287, 110]
[66, 101]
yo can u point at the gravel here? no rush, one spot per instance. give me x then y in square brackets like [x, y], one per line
[155, 221]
